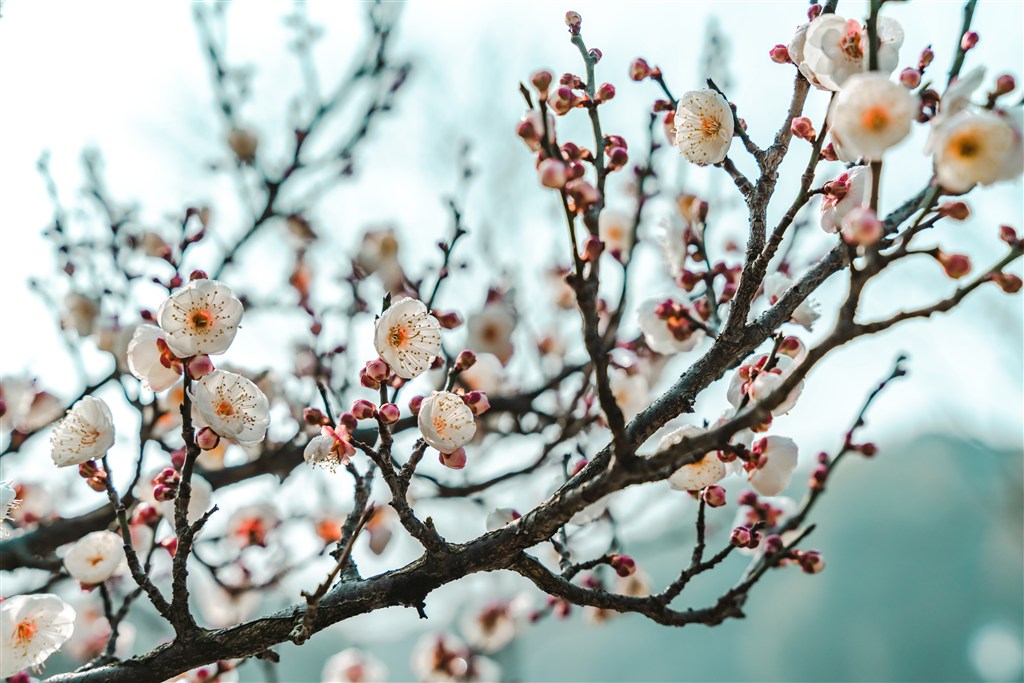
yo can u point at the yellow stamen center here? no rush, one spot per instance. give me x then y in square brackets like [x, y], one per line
[710, 127]
[875, 119]
[25, 631]
[201, 320]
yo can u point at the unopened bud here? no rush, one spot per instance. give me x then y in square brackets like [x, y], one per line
[958, 211]
[363, 409]
[414, 404]
[377, 370]
[926, 58]
[741, 537]
[1005, 84]
[541, 81]
[779, 54]
[1008, 282]
[199, 366]
[868, 449]
[624, 565]
[88, 469]
[813, 12]
[811, 562]
[207, 439]
[1008, 234]
[605, 92]
[748, 498]
[969, 40]
[97, 482]
[314, 417]
[448, 321]
[389, 413]
[829, 153]
[465, 360]
[348, 421]
[163, 492]
[639, 69]
[773, 544]
[818, 477]
[595, 54]
[178, 458]
[477, 402]
[455, 460]
[955, 265]
[592, 249]
[553, 173]
[574, 21]
[803, 128]
[714, 496]
[910, 78]
[170, 545]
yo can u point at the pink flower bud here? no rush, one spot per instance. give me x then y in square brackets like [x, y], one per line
[465, 360]
[617, 158]
[199, 366]
[1008, 235]
[170, 545]
[477, 402]
[363, 409]
[969, 40]
[198, 275]
[207, 439]
[955, 265]
[748, 498]
[574, 21]
[862, 227]
[605, 92]
[714, 496]
[624, 565]
[868, 449]
[773, 544]
[592, 249]
[595, 54]
[348, 421]
[365, 380]
[448, 321]
[541, 81]
[578, 467]
[741, 537]
[314, 417]
[779, 54]
[583, 193]
[926, 58]
[97, 482]
[803, 128]
[88, 469]
[818, 477]
[829, 153]
[958, 211]
[162, 492]
[639, 69]
[455, 461]
[414, 404]
[813, 12]
[178, 458]
[145, 514]
[811, 562]
[377, 370]
[910, 78]
[1008, 282]
[389, 413]
[553, 173]
[167, 475]
[1005, 84]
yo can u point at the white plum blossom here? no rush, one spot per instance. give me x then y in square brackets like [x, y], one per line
[834, 49]
[806, 314]
[232, 406]
[500, 517]
[704, 126]
[441, 657]
[32, 627]
[487, 374]
[614, 228]
[667, 326]
[80, 313]
[490, 628]
[354, 666]
[95, 557]
[707, 471]
[200, 318]
[490, 330]
[87, 433]
[28, 408]
[870, 115]
[752, 382]
[630, 390]
[332, 447]
[407, 337]
[8, 502]
[977, 148]
[777, 459]
[446, 422]
[851, 190]
[198, 501]
[145, 359]
[250, 524]
[958, 94]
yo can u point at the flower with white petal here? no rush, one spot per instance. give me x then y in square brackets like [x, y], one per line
[775, 461]
[958, 94]
[835, 49]
[500, 517]
[615, 229]
[668, 326]
[200, 318]
[250, 524]
[870, 115]
[704, 126]
[487, 374]
[95, 557]
[796, 53]
[851, 190]
[445, 421]
[441, 657]
[198, 501]
[490, 330]
[28, 407]
[491, 628]
[752, 382]
[773, 511]
[806, 314]
[79, 313]
[707, 471]
[87, 433]
[630, 390]
[32, 627]
[8, 502]
[977, 148]
[232, 406]
[146, 359]
[407, 337]
[331, 448]
[354, 666]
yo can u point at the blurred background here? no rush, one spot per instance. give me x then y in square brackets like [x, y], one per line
[925, 577]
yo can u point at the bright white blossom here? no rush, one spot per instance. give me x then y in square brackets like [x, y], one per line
[777, 458]
[870, 115]
[707, 471]
[500, 517]
[32, 627]
[446, 422]
[667, 326]
[407, 337]
[849, 191]
[145, 359]
[332, 447]
[835, 49]
[250, 524]
[630, 391]
[378, 254]
[85, 434]
[487, 374]
[28, 408]
[8, 502]
[614, 228]
[233, 407]
[958, 94]
[704, 126]
[977, 148]
[441, 657]
[806, 314]
[354, 666]
[95, 557]
[490, 331]
[490, 628]
[200, 318]
[752, 382]
[79, 313]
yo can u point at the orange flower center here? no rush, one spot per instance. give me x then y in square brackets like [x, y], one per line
[25, 631]
[965, 146]
[201, 320]
[225, 409]
[398, 335]
[851, 47]
[710, 127]
[440, 426]
[875, 119]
